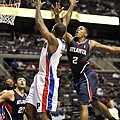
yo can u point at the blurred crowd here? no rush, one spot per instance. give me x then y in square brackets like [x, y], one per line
[107, 85]
[16, 42]
[98, 7]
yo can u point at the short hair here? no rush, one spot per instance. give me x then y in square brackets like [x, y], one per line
[59, 29]
[19, 77]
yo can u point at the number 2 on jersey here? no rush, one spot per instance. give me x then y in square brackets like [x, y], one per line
[75, 59]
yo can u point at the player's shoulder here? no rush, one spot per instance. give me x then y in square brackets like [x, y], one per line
[11, 92]
[93, 42]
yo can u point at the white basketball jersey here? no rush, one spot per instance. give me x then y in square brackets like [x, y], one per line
[49, 62]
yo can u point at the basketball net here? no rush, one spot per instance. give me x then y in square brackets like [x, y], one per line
[9, 19]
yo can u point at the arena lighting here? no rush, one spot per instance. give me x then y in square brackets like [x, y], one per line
[108, 20]
[46, 14]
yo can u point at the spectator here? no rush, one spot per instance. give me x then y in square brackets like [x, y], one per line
[58, 115]
[112, 109]
[20, 63]
[69, 113]
[103, 80]
[14, 66]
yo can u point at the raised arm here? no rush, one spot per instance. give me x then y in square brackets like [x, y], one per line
[67, 17]
[40, 23]
[57, 10]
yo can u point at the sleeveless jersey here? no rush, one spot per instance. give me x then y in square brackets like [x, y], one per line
[48, 62]
[14, 109]
[78, 56]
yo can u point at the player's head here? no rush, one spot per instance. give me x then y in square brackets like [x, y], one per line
[20, 82]
[59, 30]
[9, 83]
[81, 32]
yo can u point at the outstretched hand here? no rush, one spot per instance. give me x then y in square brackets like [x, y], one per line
[38, 2]
[57, 8]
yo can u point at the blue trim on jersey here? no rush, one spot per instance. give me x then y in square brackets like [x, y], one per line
[49, 56]
[63, 42]
[51, 90]
[1, 111]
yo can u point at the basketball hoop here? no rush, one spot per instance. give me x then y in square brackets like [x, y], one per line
[9, 18]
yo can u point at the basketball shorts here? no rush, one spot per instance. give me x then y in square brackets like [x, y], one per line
[43, 93]
[86, 87]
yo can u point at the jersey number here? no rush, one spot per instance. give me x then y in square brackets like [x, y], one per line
[74, 61]
[21, 109]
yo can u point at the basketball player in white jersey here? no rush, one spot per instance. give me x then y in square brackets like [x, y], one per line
[43, 94]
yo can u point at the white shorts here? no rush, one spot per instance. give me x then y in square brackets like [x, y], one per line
[43, 93]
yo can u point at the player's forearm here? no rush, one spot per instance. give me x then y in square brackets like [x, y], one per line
[116, 49]
[67, 17]
[57, 19]
[39, 20]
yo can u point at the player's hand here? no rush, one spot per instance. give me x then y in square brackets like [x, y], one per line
[73, 2]
[39, 3]
[57, 8]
